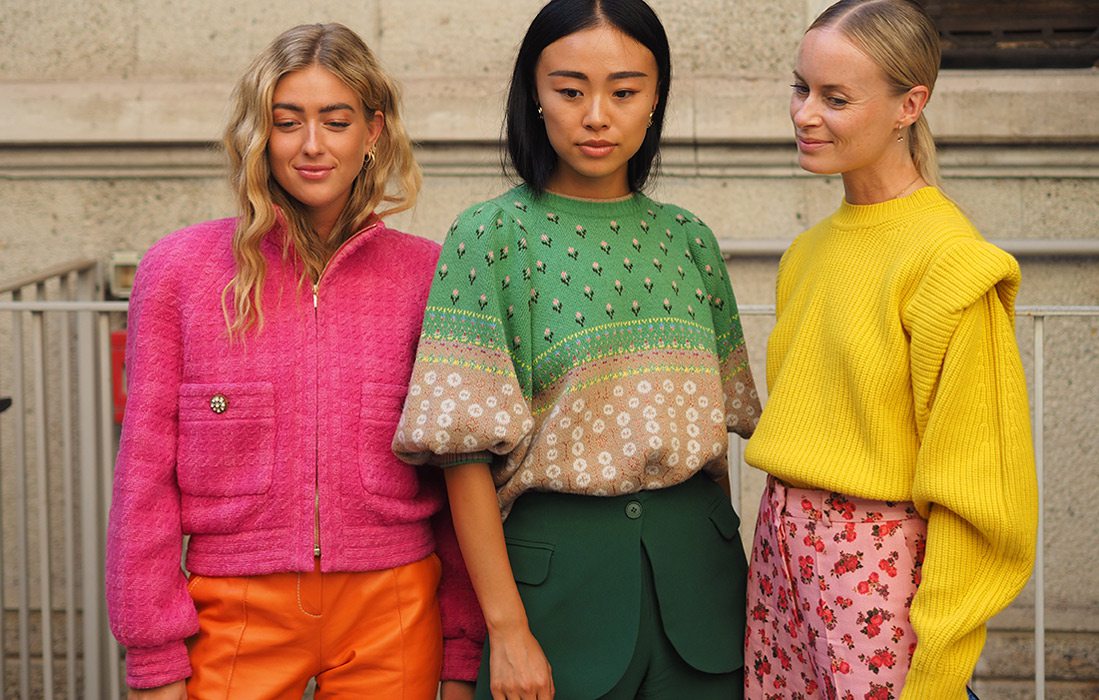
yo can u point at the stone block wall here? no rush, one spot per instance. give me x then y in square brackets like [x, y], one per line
[114, 108]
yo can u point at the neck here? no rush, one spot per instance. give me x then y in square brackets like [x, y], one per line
[322, 226]
[883, 181]
[611, 187]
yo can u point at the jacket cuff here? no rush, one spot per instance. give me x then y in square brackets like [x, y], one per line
[461, 659]
[152, 667]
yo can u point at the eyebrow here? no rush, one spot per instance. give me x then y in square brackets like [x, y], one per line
[834, 86]
[324, 110]
[620, 75]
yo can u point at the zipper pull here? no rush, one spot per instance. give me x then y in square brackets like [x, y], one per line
[315, 296]
[316, 550]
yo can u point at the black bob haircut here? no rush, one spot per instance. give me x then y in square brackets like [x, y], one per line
[528, 147]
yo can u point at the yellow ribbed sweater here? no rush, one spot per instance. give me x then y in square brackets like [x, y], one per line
[893, 374]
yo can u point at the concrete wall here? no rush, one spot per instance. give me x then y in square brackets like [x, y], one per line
[112, 108]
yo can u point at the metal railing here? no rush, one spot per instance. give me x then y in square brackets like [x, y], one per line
[1038, 408]
[58, 440]
[62, 444]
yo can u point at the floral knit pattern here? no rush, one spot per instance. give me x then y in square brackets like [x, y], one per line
[580, 347]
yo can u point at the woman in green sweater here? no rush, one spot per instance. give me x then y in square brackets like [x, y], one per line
[900, 511]
[580, 367]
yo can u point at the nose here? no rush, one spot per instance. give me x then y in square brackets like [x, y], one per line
[803, 111]
[313, 144]
[595, 117]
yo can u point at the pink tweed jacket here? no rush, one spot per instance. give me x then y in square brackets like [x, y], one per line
[231, 442]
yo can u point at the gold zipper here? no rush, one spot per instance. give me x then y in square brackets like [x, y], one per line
[316, 438]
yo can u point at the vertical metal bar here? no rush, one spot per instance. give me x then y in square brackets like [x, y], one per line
[1039, 463]
[106, 476]
[3, 607]
[22, 545]
[90, 589]
[42, 493]
[68, 505]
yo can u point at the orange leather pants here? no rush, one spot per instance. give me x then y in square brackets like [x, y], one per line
[373, 634]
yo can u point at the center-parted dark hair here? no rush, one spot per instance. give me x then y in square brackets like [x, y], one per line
[528, 145]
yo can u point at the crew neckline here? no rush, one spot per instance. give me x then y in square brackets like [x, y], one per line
[581, 205]
[856, 215]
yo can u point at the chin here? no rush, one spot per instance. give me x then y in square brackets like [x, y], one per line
[812, 165]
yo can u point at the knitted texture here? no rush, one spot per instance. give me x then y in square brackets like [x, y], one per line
[581, 347]
[894, 375]
[236, 443]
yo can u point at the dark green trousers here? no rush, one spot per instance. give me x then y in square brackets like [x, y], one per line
[589, 569]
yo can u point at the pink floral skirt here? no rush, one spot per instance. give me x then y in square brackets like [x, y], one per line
[830, 583]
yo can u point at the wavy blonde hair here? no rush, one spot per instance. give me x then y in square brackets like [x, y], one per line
[260, 198]
[901, 39]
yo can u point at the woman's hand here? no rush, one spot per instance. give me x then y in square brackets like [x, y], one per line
[456, 690]
[518, 668]
[172, 691]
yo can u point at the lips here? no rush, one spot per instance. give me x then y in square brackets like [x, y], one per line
[808, 145]
[596, 148]
[313, 172]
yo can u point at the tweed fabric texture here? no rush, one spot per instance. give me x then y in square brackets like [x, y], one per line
[236, 443]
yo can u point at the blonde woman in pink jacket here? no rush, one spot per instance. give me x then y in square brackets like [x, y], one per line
[268, 358]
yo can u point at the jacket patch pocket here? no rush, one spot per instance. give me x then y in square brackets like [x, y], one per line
[530, 561]
[725, 520]
[226, 439]
[381, 472]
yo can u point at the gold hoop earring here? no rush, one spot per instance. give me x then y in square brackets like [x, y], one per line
[540, 115]
[650, 119]
[371, 156]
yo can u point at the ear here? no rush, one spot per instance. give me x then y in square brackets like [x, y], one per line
[375, 125]
[912, 104]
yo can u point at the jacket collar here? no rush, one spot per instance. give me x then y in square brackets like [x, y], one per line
[277, 238]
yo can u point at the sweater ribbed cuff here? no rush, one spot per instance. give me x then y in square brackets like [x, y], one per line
[456, 458]
[922, 684]
[152, 667]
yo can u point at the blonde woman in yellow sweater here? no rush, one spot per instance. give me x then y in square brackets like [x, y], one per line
[901, 508]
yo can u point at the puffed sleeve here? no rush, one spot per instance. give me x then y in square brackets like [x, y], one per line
[148, 605]
[975, 480]
[469, 398]
[742, 407]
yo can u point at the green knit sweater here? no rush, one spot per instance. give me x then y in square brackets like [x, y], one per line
[579, 346]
